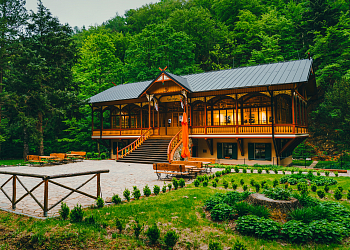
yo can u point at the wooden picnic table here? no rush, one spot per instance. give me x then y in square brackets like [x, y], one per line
[47, 157]
[72, 155]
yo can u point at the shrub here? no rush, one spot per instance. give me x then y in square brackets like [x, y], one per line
[296, 232]
[182, 182]
[136, 192]
[153, 233]
[64, 211]
[156, 189]
[318, 173]
[245, 187]
[116, 199]
[283, 172]
[216, 179]
[257, 187]
[260, 211]
[337, 194]
[214, 184]
[233, 180]
[259, 170]
[221, 212]
[212, 201]
[170, 239]
[277, 194]
[326, 189]
[321, 194]
[242, 182]
[147, 191]
[232, 197]
[348, 195]
[164, 189]
[77, 214]
[252, 182]
[239, 246]
[276, 171]
[303, 188]
[170, 186]
[234, 186]
[225, 184]
[205, 183]
[236, 169]
[244, 170]
[175, 183]
[218, 173]
[103, 156]
[196, 183]
[88, 155]
[322, 233]
[336, 173]
[100, 202]
[213, 245]
[126, 194]
[263, 183]
[300, 171]
[313, 188]
[267, 170]
[306, 200]
[242, 208]
[119, 224]
[306, 215]
[286, 185]
[259, 227]
[137, 228]
[275, 183]
[341, 189]
[199, 178]
[326, 173]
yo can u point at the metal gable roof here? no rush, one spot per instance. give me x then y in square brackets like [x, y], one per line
[253, 76]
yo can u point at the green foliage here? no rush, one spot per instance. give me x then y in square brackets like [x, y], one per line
[260, 211]
[338, 194]
[216, 179]
[100, 202]
[234, 186]
[182, 183]
[259, 170]
[225, 184]
[245, 187]
[259, 227]
[236, 169]
[175, 183]
[116, 199]
[137, 226]
[119, 224]
[90, 220]
[171, 185]
[218, 173]
[221, 212]
[296, 232]
[147, 191]
[326, 173]
[322, 234]
[196, 183]
[156, 189]
[340, 188]
[244, 170]
[214, 245]
[321, 194]
[348, 195]
[257, 187]
[326, 189]
[214, 183]
[302, 151]
[136, 192]
[239, 246]
[126, 194]
[313, 188]
[170, 239]
[64, 211]
[242, 182]
[77, 214]
[164, 189]
[205, 183]
[306, 200]
[277, 193]
[242, 208]
[153, 233]
[275, 183]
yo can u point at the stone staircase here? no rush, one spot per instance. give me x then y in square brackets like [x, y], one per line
[151, 151]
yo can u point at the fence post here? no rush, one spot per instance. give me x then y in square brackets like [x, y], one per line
[46, 196]
[14, 192]
[98, 185]
[117, 153]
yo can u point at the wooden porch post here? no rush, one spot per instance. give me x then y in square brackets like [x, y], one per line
[120, 120]
[153, 114]
[205, 115]
[149, 114]
[236, 115]
[293, 112]
[158, 119]
[92, 124]
[141, 118]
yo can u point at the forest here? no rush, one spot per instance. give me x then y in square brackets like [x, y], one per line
[48, 70]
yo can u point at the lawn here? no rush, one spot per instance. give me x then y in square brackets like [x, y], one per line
[302, 163]
[11, 162]
[180, 210]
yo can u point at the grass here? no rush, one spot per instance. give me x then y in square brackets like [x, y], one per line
[332, 165]
[11, 162]
[181, 210]
[302, 163]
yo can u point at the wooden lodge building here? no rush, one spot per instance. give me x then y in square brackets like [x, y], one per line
[255, 114]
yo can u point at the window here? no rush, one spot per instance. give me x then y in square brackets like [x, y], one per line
[257, 110]
[226, 150]
[259, 151]
[222, 112]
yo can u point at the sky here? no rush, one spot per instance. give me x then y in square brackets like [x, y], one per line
[87, 12]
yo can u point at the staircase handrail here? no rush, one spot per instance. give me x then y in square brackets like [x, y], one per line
[172, 144]
[134, 145]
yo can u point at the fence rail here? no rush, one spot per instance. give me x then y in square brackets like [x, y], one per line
[46, 179]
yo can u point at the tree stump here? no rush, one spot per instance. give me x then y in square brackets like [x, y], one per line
[281, 205]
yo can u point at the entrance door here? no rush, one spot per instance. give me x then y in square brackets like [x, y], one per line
[173, 119]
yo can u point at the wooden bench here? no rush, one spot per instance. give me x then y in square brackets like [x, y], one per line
[82, 155]
[59, 157]
[211, 160]
[169, 170]
[198, 166]
[32, 159]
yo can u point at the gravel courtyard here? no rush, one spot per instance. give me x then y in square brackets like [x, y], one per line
[120, 176]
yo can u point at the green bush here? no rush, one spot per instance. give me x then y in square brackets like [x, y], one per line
[257, 187]
[170, 186]
[277, 193]
[242, 182]
[216, 179]
[205, 183]
[213, 200]
[90, 220]
[196, 183]
[341, 188]
[153, 233]
[170, 239]
[137, 228]
[214, 184]
[252, 182]
[221, 212]
[348, 195]
[242, 208]
[245, 187]
[116, 199]
[213, 245]
[239, 246]
[175, 183]
[313, 188]
[326, 232]
[244, 170]
[275, 183]
[306, 215]
[259, 170]
[225, 184]
[234, 186]
[77, 214]
[276, 172]
[337, 194]
[236, 169]
[218, 173]
[267, 170]
[321, 194]
[119, 225]
[326, 189]
[136, 192]
[103, 156]
[259, 227]
[326, 173]
[126, 194]
[100, 202]
[156, 189]
[336, 173]
[88, 155]
[296, 232]
[147, 191]
[64, 211]
[260, 211]
[182, 183]
[164, 189]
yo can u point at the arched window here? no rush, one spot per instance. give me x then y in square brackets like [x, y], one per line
[115, 118]
[221, 112]
[283, 109]
[198, 115]
[256, 110]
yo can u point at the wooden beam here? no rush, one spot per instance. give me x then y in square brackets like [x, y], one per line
[287, 145]
[240, 145]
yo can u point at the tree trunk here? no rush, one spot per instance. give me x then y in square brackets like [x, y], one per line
[41, 133]
[25, 144]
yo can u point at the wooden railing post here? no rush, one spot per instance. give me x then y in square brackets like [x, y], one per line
[14, 192]
[98, 185]
[46, 196]
[117, 152]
